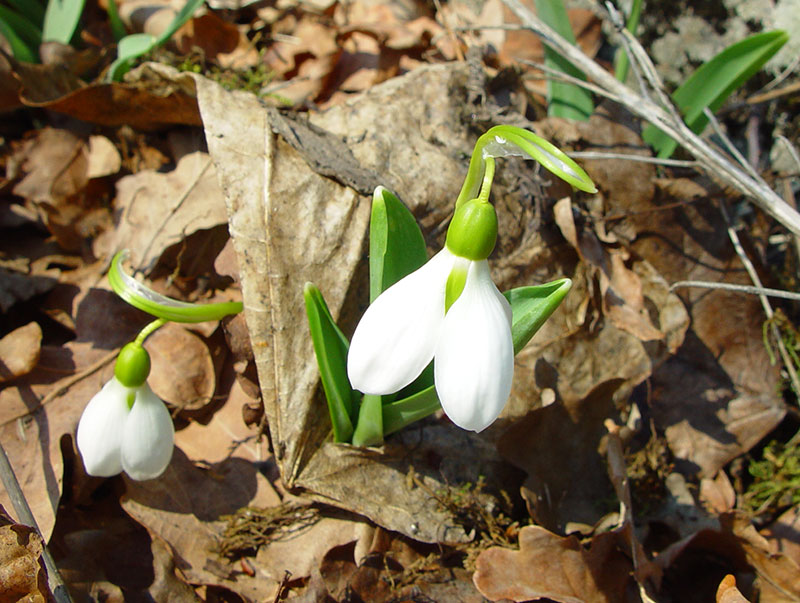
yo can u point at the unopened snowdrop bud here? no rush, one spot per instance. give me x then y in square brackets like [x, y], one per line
[473, 230]
[125, 426]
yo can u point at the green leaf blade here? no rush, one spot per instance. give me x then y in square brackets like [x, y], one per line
[396, 245]
[532, 306]
[61, 19]
[330, 348]
[563, 99]
[714, 82]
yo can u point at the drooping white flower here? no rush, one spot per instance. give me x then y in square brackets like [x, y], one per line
[470, 343]
[126, 428]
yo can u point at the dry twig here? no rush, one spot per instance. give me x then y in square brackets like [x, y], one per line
[664, 117]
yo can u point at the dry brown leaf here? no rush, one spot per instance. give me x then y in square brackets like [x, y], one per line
[182, 371]
[145, 102]
[158, 210]
[302, 551]
[784, 534]
[186, 508]
[553, 567]
[716, 397]
[53, 167]
[728, 593]
[718, 495]
[19, 351]
[32, 432]
[104, 158]
[224, 436]
[22, 573]
[779, 575]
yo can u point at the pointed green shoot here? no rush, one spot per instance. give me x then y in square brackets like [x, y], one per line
[142, 297]
[369, 428]
[117, 26]
[330, 348]
[563, 98]
[61, 20]
[135, 45]
[396, 245]
[129, 48]
[714, 82]
[530, 308]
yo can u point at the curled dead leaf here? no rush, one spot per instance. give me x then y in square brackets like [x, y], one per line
[22, 573]
[551, 566]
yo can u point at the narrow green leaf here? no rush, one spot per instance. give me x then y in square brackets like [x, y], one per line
[32, 9]
[397, 415]
[715, 81]
[621, 60]
[117, 26]
[182, 17]
[19, 48]
[330, 348]
[563, 99]
[61, 19]
[396, 245]
[369, 428]
[129, 48]
[27, 31]
[142, 297]
[531, 306]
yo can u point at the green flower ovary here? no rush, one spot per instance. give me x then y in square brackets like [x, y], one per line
[473, 231]
[133, 365]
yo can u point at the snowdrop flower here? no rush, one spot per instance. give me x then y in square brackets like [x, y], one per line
[125, 426]
[448, 311]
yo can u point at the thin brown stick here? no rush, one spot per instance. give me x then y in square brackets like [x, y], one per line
[23, 510]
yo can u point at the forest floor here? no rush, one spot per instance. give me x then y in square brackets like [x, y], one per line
[650, 450]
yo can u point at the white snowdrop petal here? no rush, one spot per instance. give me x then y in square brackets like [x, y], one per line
[100, 429]
[396, 337]
[474, 359]
[149, 436]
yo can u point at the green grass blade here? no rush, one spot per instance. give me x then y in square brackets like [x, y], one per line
[129, 48]
[563, 99]
[61, 20]
[330, 348]
[621, 60]
[531, 306]
[33, 10]
[117, 26]
[396, 245]
[22, 26]
[19, 48]
[182, 17]
[714, 82]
